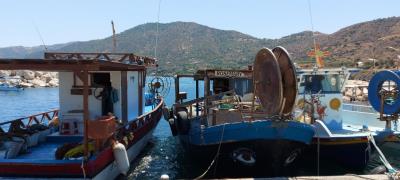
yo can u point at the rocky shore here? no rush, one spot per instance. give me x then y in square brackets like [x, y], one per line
[29, 79]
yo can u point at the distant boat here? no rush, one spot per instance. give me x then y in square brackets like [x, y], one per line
[6, 87]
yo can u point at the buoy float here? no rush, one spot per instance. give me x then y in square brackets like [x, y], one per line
[164, 177]
[121, 157]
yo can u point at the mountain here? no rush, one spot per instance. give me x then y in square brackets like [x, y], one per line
[187, 46]
[28, 52]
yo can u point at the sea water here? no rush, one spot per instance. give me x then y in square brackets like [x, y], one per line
[163, 154]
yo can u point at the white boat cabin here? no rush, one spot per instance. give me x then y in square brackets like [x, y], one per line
[129, 83]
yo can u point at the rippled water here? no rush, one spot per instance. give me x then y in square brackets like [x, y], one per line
[163, 155]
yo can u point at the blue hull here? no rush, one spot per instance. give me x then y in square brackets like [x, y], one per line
[272, 143]
[246, 131]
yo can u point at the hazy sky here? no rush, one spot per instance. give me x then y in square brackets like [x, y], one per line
[60, 21]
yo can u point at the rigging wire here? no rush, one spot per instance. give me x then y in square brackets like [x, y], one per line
[157, 33]
[312, 29]
[40, 35]
[316, 59]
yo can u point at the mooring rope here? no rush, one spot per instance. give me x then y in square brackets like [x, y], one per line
[393, 173]
[216, 155]
[318, 152]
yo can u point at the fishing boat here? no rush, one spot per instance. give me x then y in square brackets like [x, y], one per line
[101, 126]
[244, 116]
[338, 138]
[6, 87]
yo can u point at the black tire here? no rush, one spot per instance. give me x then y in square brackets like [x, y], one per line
[182, 122]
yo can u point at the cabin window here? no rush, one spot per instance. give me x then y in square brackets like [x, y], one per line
[329, 83]
[241, 86]
[100, 79]
[220, 85]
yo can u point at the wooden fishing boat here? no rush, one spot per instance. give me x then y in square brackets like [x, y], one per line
[338, 137]
[101, 126]
[244, 117]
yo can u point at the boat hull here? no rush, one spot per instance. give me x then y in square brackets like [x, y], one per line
[273, 145]
[271, 158]
[352, 152]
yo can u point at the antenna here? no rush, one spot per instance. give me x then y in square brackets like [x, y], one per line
[157, 32]
[113, 37]
[317, 58]
[158, 22]
[40, 35]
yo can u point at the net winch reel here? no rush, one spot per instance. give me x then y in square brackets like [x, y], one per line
[159, 86]
[275, 83]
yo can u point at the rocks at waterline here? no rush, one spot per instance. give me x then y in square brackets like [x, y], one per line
[27, 79]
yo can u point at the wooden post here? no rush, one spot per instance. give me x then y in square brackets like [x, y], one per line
[141, 82]
[176, 88]
[197, 97]
[124, 96]
[85, 114]
[206, 93]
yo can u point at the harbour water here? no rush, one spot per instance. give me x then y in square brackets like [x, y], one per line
[163, 155]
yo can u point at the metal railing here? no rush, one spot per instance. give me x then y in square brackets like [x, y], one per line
[29, 120]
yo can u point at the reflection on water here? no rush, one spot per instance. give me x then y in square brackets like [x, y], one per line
[163, 155]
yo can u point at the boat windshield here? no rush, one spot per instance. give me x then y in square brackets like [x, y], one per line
[327, 83]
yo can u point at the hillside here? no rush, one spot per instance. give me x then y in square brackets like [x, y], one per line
[186, 46]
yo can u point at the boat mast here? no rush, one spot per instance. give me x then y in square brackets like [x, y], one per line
[113, 37]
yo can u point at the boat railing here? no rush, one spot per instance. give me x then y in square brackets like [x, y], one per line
[143, 119]
[40, 118]
[358, 108]
[126, 58]
[201, 104]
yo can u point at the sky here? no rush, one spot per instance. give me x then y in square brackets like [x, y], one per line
[24, 22]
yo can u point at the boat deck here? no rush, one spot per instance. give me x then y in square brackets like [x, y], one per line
[44, 151]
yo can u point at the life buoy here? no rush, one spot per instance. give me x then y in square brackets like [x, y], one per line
[121, 157]
[375, 86]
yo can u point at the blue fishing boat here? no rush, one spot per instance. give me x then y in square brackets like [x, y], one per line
[336, 138]
[243, 119]
[102, 124]
[6, 87]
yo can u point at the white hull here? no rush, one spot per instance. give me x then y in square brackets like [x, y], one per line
[111, 171]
